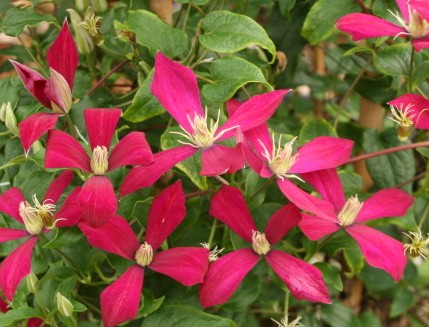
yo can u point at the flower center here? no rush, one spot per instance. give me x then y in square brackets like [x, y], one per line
[38, 216]
[349, 212]
[202, 136]
[259, 243]
[417, 27]
[403, 117]
[99, 162]
[214, 254]
[419, 244]
[144, 255]
[280, 160]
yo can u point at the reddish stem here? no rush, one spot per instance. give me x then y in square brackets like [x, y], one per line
[387, 151]
[101, 81]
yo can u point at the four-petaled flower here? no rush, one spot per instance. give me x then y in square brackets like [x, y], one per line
[188, 265]
[36, 218]
[53, 93]
[333, 212]
[226, 273]
[97, 198]
[414, 23]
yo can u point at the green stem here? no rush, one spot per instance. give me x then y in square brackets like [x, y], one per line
[387, 151]
[212, 232]
[263, 187]
[42, 70]
[410, 80]
[424, 216]
[188, 11]
[350, 90]
[286, 307]
[71, 125]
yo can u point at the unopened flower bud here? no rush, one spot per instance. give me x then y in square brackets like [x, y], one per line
[84, 41]
[99, 162]
[60, 91]
[32, 282]
[144, 255]
[99, 5]
[81, 5]
[259, 243]
[65, 307]
[8, 117]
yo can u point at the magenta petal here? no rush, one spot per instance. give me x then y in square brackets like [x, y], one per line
[307, 202]
[63, 151]
[328, 184]
[34, 322]
[187, 265]
[34, 126]
[363, 26]
[229, 206]
[225, 275]
[282, 222]
[166, 213]
[97, 200]
[420, 44]
[254, 112]
[69, 214]
[63, 56]
[9, 234]
[380, 251]
[232, 106]
[9, 203]
[15, 267]
[421, 6]
[220, 159]
[120, 300]
[145, 176]
[115, 236]
[33, 82]
[133, 149]
[304, 281]
[322, 152]
[101, 124]
[58, 185]
[403, 7]
[176, 88]
[390, 202]
[259, 138]
[418, 105]
[315, 228]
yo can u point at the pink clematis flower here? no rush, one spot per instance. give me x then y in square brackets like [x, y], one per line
[226, 273]
[53, 93]
[333, 212]
[97, 198]
[36, 218]
[413, 23]
[176, 88]
[188, 265]
[269, 159]
[409, 110]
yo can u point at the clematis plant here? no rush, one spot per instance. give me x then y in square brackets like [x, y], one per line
[53, 93]
[226, 273]
[188, 265]
[413, 23]
[97, 198]
[37, 218]
[380, 251]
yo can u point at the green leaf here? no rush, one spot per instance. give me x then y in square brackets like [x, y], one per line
[15, 161]
[338, 315]
[314, 128]
[352, 183]
[156, 35]
[144, 105]
[185, 316]
[377, 90]
[286, 6]
[320, 21]
[423, 151]
[368, 318]
[402, 301]
[190, 166]
[195, 2]
[394, 60]
[16, 19]
[229, 74]
[227, 32]
[392, 169]
[13, 316]
[64, 237]
[330, 275]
